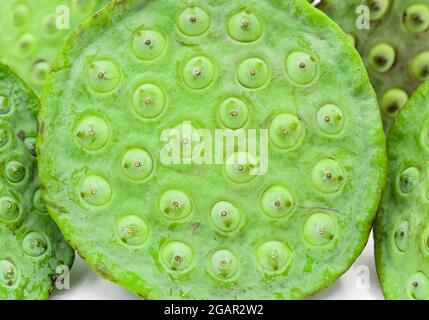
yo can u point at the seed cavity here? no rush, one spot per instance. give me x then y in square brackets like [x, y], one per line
[330, 119]
[233, 113]
[419, 286]
[8, 273]
[224, 264]
[420, 66]
[320, 229]
[241, 167]
[409, 179]
[277, 202]
[137, 164]
[132, 230]
[104, 76]
[193, 21]
[175, 205]
[15, 171]
[382, 57]
[198, 72]
[286, 131]
[96, 190]
[302, 68]
[225, 217]
[416, 18]
[177, 256]
[392, 102]
[244, 27]
[92, 133]
[35, 244]
[401, 236]
[253, 73]
[328, 176]
[9, 209]
[273, 256]
[378, 8]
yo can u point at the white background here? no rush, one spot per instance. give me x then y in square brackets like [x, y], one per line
[359, 283]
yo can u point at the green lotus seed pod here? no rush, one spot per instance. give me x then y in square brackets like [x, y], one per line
[224, 264]
[382, 57]
[193, 21]
[244, 27]
[245, 170]
[416, 18]
[393, 40]
[301, 67]
[392, 101]
[33, 32]
[31, 245]
[401, 228]
[420, 67]
[137, 164]
[277, 202]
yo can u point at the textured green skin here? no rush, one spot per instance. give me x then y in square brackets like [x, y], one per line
[63, 163]
[36, 275]
[389, 29]
[396, 268]
[47, 45]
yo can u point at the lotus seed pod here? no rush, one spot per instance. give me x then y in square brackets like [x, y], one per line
[33, 32]
[31, 246]
[401, 230]
[158, 200]
[393, 39]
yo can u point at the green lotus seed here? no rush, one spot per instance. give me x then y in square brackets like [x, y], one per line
[198, 73]
[175, 205]
[419, 286]
[320, 229]
[26, 44]
[49, 24]
[224, 264]
[92, 133]
[420, 66]
[277, 202]
[8, 273]
[286, 131]
[302, 68]
[20, 14]
[401, 235]
[328, 176]
[330, 119]
[378, 8]
[409, 179]
[193, 21]
[233, 113]
[132, 230]
[137, 164]
[149, 101]
[240, 167]
[30, 143]
[244, 27]
[273, 256]
[15, 171]
[253, 73]
[382, 57]
[225, 217]
[4, 105]
[38, 202]
[148, 44]
[4, 138]
[96, 191]
[103, 76]
[9, 208]
[40, 72]
[34, 244]
[392, 101]
[416, 18]
[177, 256]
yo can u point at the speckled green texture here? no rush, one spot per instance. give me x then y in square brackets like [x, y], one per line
[31, 246]
[403, 25]
[402, 227]
[212, 231]
[30, 38]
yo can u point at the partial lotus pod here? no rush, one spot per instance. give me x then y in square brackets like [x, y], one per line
[33, 31]
[402, 227]
[147, 190]
[393, 38]
[33, 253]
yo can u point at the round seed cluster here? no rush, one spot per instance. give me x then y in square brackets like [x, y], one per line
[402, 227]
[211, 220]
[29, 238]
[394, 48]
[34, 30]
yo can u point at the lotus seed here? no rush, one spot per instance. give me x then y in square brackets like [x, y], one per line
[253, 73]
[302, 68]
[193, 21]
[244, 27]
[225, 217]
